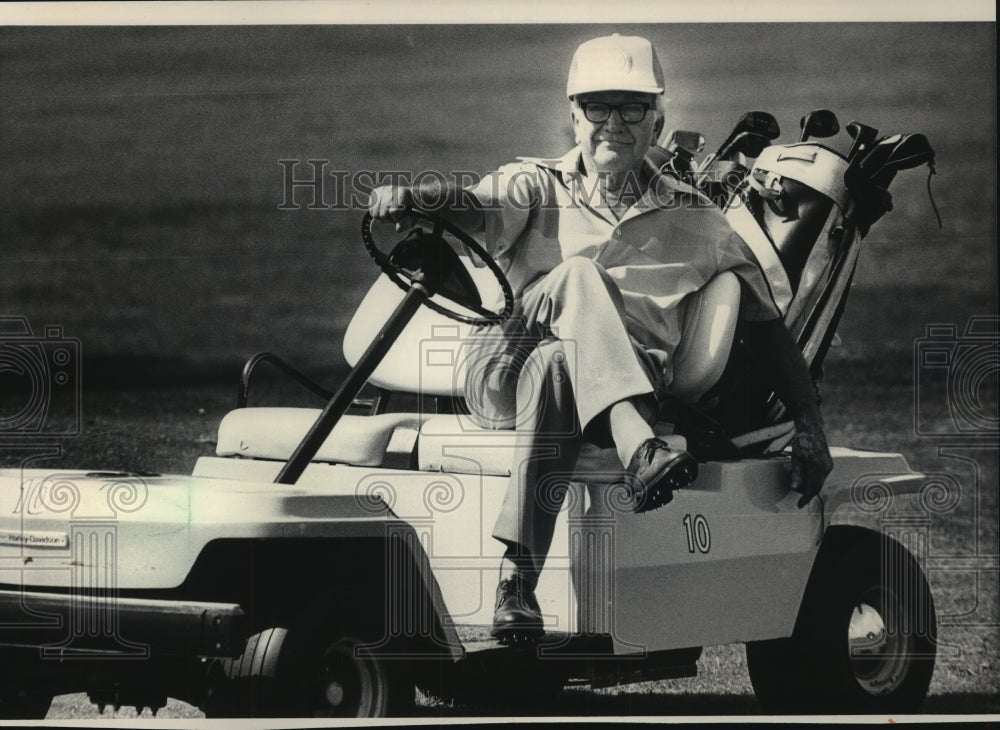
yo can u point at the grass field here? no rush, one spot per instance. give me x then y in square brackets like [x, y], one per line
[140, 188]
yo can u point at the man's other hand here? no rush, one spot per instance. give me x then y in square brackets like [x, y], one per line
[811, 461]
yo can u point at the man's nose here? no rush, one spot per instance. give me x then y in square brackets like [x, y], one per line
[614, 120]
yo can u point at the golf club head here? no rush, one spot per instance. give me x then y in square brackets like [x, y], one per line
[892, 154]
[819, 123]
[684, 139]
[757, 122]
[863, 137]
[679, 148]
[749, 144]
[754, 145]
[763, 124]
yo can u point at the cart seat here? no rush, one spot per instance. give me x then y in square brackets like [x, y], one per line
[448, 443]
[428, 358]
[273, 433]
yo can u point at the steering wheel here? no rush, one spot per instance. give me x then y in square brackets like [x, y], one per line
[408, 262]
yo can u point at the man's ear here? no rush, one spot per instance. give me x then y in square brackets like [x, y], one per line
[576, 123]
[658, 127]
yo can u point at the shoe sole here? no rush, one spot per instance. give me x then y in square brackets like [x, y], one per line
[681, 472]
[514, 636]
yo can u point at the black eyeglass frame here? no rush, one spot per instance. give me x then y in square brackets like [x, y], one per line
[587, 107]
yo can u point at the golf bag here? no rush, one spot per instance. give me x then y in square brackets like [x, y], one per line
[803, 210]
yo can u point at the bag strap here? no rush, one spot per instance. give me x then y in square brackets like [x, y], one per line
[743, 222]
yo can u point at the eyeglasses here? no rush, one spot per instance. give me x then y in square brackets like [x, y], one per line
[598, 112]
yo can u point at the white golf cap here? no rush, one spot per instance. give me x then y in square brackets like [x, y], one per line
[615, 63]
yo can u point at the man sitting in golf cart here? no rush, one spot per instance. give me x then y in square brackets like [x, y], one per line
[601, 250]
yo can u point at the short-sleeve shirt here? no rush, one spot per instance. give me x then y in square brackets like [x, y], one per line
[670, 243]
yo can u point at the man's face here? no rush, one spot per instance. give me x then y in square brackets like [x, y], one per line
[615, 146]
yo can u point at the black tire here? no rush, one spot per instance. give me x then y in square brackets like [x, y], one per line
[316, 668]
[24, 705]
[246, 686]
[866, 636]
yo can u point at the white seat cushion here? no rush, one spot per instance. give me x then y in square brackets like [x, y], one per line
[455, 444]
[273, 433]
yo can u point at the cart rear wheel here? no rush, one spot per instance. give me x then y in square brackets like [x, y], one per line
[865, 640]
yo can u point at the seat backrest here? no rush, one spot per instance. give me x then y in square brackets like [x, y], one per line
[429, 357]
[706, 337]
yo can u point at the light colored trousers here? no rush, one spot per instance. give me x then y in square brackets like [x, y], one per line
[551, 371]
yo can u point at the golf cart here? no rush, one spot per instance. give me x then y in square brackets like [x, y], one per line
[325, 561]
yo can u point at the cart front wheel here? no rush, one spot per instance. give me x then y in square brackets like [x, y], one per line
[24, 705]
[322, 666]
[346, 683]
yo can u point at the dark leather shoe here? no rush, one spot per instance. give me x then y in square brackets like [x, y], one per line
[655, 471]
[518, 616]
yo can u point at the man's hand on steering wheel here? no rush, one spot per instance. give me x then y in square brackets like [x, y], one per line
[392, 204]
[427, 260]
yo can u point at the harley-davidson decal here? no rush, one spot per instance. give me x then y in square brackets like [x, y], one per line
[35, 539]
